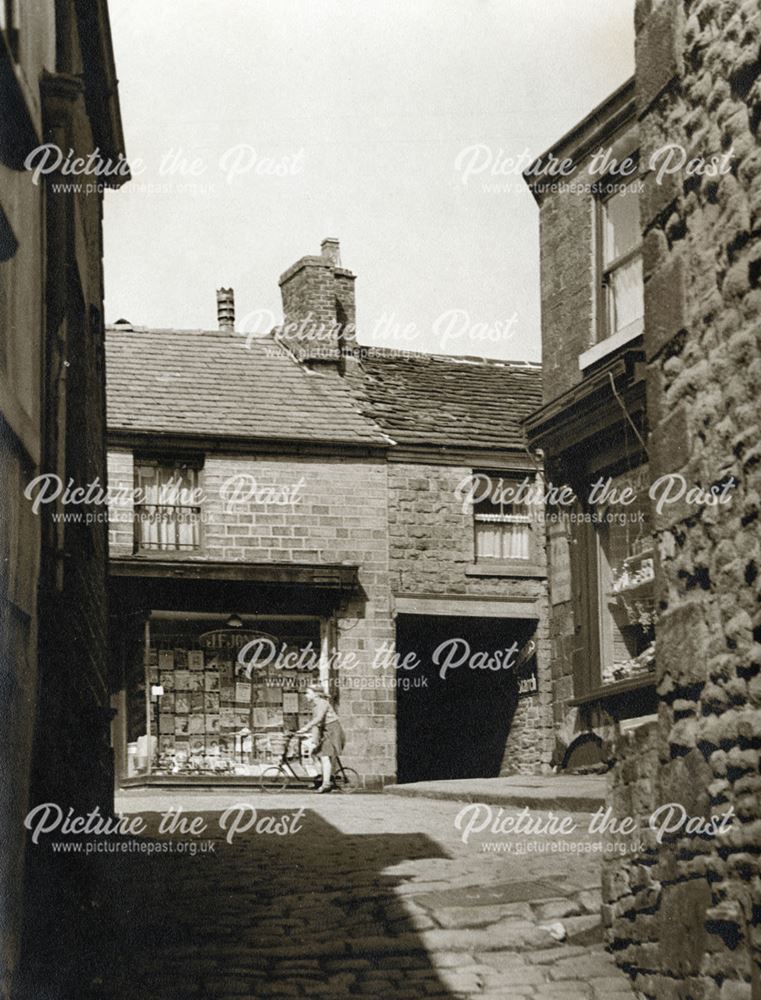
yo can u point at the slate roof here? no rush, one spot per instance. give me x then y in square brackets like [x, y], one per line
[422, 399]
[207, 383]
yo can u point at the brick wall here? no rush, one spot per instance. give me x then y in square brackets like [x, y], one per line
[432, 550]
[698, 85]
[340, 517]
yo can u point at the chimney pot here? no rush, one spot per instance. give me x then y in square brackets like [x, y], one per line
[331, 250]
[226, 309]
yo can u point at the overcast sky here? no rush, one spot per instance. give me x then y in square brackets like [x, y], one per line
[374, 122]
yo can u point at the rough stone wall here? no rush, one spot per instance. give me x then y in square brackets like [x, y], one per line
[630, 891]
[432, 552]
[698, 85]
[340, 516]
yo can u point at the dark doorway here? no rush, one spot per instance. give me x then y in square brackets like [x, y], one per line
[456, 725]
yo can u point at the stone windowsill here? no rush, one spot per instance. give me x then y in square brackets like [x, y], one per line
[614, 688]
[514, 569]
[610, 344]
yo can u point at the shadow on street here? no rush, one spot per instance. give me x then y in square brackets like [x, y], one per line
[307, 914]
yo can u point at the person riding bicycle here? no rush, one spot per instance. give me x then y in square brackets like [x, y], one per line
[326, 732]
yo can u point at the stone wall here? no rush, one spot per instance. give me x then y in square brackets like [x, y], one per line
[569, 237]
[567, 274]
[319, 308]
[568, 240]
[432, 552]
[696, 932]
[21, 437]
[630, 889]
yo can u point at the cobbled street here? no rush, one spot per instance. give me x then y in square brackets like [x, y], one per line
[373, 896]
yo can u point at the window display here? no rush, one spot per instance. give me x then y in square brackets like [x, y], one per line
[626, 574]
[210, 713]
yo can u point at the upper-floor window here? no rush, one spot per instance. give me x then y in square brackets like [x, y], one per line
[502, 517]
[167, 507]
[621, 262]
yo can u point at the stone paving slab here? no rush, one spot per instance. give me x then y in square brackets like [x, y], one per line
[571, 793]
[370, 898]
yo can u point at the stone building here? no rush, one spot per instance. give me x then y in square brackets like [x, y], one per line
[683, 909]
[58, 85]
[685, 913]
[344, 526]
[592, 428]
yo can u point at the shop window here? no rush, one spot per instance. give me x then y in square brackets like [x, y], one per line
[220, 698]
[622, 305]
[625, 583]
[502, 521]
[168, 511]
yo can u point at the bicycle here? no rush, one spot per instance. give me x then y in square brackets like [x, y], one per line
[278, 777]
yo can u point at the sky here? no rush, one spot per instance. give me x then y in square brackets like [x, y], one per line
[256, 128]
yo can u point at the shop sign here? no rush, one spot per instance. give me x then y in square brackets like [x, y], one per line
[525, 668]
[221, 640]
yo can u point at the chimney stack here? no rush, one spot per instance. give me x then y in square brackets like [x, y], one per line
[318, 307]
[226, 309]
[331, 250]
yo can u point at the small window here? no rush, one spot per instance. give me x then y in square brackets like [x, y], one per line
[167, 508]
[621, 262]
[502, 525]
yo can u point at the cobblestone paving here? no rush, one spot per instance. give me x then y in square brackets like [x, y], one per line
[373, 897]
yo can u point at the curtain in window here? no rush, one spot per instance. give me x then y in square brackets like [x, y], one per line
[488, 541]
[621, 231]
[502, 540]
[515, 541]
[165, 520]
[626, 295]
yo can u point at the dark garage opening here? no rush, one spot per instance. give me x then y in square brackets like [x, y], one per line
[455, 726]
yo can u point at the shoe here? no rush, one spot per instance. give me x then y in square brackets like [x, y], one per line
[324, 788]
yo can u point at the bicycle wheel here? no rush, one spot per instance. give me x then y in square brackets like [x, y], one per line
[274, 779]
[347, 780]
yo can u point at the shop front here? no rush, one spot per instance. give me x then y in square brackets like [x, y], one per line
[212, 676]
[602, 560]
[216, 697]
